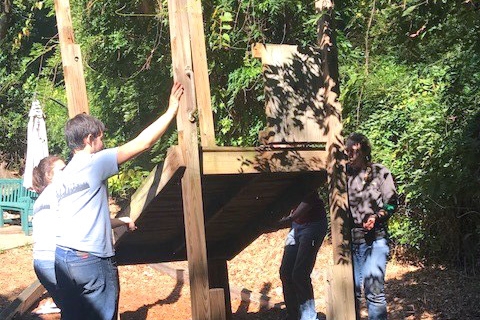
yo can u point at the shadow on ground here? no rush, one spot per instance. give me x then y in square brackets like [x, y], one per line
[142, 312]
[434, 293]
[262, 314]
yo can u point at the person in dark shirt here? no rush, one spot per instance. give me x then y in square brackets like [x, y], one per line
[372, 198]
[309, 227]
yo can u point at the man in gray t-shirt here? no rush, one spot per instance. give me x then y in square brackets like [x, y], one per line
[372, 199]
[84, 259]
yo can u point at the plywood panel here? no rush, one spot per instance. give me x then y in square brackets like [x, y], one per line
[294, 93]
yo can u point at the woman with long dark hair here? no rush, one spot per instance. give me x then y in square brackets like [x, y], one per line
[44, 227]
[372, 198]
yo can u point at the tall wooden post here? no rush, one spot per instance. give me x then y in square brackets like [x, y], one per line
[342, 286]
[188, 142]
[71, 61]
[200, 75]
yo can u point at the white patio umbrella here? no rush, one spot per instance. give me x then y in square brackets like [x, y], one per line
[37, 143]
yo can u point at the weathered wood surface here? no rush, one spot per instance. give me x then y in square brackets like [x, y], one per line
[294, 93]
[237, 209]
[264, 159]
[218, 280]
[71, 60]
[342, 306]
[168, 172]
[192, 199]
[200, 74]
[217, 305]
[23, 302]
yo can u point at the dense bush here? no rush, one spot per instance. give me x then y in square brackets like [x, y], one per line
[416, 100]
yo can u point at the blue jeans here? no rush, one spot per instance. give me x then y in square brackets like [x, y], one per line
[369, 266]
[45, 271]
[89, 285]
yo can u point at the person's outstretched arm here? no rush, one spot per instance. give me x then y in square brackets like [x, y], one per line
[147, 138]
[123, 221]
[298, 212]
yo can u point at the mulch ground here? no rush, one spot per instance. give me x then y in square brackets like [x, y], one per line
[412, 292]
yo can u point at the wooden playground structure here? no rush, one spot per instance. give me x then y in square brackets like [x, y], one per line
[206, 203]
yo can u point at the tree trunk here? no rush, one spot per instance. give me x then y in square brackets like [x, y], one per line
[5, 12]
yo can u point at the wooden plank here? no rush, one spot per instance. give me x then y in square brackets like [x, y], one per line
[72, 61]
[328, 294]
[217, 305]
[191, 181]
[200, 74]
[258, 160]
[148, 253]
[248, 203]
[218, 280]
[23, 302]
[171, 271]
[156, 181]
[274, 54]
[293, 114]
[342, 288]
[170, 170]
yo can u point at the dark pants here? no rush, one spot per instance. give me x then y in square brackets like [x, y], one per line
[297, 264]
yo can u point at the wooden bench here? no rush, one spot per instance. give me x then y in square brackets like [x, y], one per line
[15, 197]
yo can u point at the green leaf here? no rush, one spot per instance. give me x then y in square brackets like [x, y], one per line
[409, 10]
[226, 37]
[226, 17]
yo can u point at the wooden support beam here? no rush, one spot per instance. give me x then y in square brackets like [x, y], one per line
[71, 60]
[200, 73]
[217, 305]
[342, 286]
[237, 160]
[23, 302]
[188, 141]
[159, 177]
[218, 280]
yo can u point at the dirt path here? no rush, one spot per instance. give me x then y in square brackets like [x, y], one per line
[412, 292]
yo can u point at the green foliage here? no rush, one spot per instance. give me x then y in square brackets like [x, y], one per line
[23, 52]
[409, 79]
[415, 102]
[126, 182]
[222, 20]
[406, 231]
[235, 77]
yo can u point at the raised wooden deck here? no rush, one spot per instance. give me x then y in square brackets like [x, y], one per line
[245, 191]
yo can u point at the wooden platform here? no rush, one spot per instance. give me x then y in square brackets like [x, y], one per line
[245, 191]
[223, 196]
